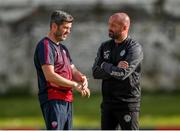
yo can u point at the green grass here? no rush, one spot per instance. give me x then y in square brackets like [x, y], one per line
[160, 110]
[87, 112]
[157, 110]
[20, 112]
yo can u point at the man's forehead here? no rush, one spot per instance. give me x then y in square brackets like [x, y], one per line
[66, 24]
[114, 19]
[119, 18]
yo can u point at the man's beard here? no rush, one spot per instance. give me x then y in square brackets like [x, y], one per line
[113, 35]
[59, 36]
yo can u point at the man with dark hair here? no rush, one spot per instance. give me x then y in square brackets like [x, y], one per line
[118, 64]
[57, 75]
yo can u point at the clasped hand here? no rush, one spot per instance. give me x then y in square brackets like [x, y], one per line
[82, 87]
[123, 64]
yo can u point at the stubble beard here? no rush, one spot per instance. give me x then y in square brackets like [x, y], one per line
[58, 36]
[114, 35]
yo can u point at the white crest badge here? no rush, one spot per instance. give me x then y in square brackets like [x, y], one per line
[127, 118]
[122, 53]
[54, 124]
[106, 54]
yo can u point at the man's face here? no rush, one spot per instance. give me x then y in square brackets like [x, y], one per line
[62, 31]
[115, 29]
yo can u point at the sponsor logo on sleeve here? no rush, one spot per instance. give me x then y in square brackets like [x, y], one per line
[114, 73]
[106, 54]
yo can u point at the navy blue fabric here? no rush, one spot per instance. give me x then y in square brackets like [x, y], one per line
[116, 120]
[57, 115]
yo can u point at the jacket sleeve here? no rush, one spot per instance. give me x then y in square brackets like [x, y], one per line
[134, 57]
[98, 72]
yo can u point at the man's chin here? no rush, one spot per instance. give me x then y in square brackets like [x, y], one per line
[111, 36]
[61, 39]
[64, 38]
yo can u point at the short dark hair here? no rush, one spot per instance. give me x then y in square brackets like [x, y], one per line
[59, 17]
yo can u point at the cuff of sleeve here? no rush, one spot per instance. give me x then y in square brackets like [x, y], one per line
[106, 67]
[102, 65]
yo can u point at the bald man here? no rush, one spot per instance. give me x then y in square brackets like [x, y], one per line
[118, 64]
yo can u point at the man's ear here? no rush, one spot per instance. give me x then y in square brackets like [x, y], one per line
[125, 28]
[54, 26]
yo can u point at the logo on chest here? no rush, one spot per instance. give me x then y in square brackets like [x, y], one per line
[106, 54]
[59, 53]
[122, 53]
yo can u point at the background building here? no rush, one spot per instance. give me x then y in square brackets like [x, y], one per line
[155, 24]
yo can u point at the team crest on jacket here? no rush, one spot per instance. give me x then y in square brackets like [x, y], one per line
[106, 54]
[54, 124]
[122, 53]
[127, 118]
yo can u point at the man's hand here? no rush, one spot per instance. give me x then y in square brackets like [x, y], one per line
[82, 88]
[84, 81]
[85, 89]
[77, 86]
[123, 64]
[86, 92]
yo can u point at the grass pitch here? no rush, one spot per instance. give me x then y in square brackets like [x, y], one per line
[157, 111]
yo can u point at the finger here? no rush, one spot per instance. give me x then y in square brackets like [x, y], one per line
[83, 93]
[123, 64]
[84, 83]
[83, 87]
[88, 92]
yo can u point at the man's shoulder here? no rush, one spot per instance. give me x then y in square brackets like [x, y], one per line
[131, 42]
[42, 40]
[45, 42]
[107, 42]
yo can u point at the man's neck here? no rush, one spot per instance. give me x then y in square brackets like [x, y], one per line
[52, 38]
[120, 40]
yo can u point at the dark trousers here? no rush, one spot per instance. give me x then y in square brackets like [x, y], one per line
[57, 115]
[112, 119]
